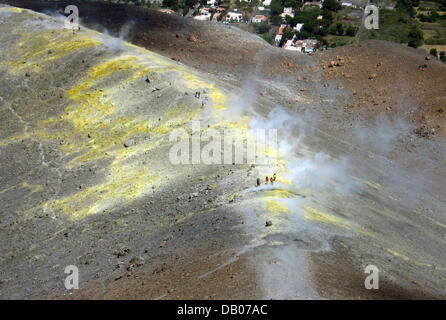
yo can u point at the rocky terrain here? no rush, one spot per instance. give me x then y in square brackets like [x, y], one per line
[86, 178]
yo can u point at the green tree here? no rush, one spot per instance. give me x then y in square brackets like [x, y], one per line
[416, 37]
[303, 35]
[434, 52]
[262, 27]
[191, 3]
[434, 14]
[406, 6]
[339, 29]
[291, 21]
[327, 18]
[295, 4]
[311, 26]
[268, 38]
[331, 5]
[170, 3]
[332, 30]
[276, 20]
[443, 56]
[351, 31]
[276, 7]
[322, 32]
[287, 34]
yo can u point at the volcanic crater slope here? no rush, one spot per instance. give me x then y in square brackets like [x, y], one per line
[85, 154]
[86, 177]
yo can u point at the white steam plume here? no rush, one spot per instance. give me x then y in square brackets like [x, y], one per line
[114, 44]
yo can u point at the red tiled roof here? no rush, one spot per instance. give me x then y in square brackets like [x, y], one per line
[262, 17]
[281, 30]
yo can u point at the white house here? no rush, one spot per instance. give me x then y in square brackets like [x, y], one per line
[204, 11]
[234, 16]
[259, 19]
[203, 17]
[289, 45]
[298, 27]
[211, 3]
[278, 38]
[299, 45]
[287, 11]
[310, 45]
[346, 4]
[266, 2]
[302, 46]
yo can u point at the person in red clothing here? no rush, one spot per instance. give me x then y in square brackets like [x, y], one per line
[267, 179]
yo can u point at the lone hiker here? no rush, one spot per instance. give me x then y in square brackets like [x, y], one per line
[76, 29]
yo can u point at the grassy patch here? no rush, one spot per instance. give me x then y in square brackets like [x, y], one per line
[435, 33]
[336, 41]
[394, 25]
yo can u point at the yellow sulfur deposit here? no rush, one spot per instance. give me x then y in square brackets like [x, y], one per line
[313, 214]
[275, 207]
[36, 49]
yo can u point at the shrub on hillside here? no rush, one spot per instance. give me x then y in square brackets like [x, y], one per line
[331, 5]
[350, 31]
[416, 37]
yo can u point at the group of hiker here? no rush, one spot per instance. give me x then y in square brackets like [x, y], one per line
[198, 95]
[268, 180]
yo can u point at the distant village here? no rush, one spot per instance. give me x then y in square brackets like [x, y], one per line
[305, 26]
[286, 22]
